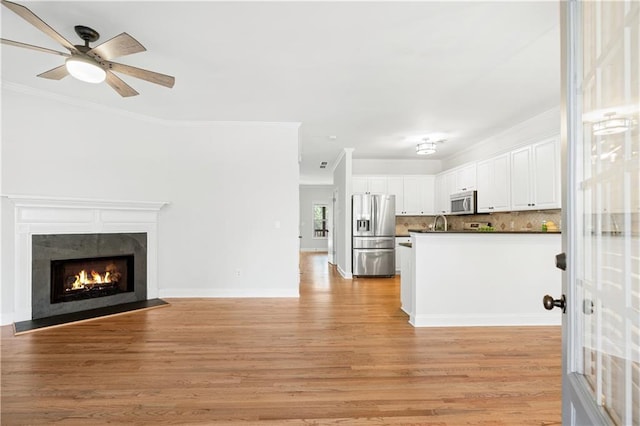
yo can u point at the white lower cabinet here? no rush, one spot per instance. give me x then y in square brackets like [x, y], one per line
[399, 251]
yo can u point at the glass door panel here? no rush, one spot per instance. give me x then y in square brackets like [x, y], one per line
[605, 310]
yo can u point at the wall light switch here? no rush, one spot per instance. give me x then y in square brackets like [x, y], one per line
[277, 224]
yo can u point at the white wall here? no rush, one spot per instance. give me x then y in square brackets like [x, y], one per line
[342, 215]
[542, 126]
[233, 188]
[310, 195]
[396, 167]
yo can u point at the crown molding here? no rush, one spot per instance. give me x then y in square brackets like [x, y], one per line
[68, 100]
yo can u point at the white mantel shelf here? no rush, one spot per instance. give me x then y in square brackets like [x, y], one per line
[61, 202]
[36, 215]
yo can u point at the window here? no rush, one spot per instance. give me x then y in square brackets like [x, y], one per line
[320, 212]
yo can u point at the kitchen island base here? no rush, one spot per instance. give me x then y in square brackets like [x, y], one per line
[481, 279]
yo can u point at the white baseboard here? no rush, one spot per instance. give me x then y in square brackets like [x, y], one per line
[7, 318]
[318, 250]
[228, 293]
[343, 274]
[485, 320]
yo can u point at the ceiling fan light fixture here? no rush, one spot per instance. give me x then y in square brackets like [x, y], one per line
[84, 69]
[611, 126]
[426, 148]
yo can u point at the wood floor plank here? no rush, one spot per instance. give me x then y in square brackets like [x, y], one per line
[341, 354]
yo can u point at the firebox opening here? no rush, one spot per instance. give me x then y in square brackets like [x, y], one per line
[77, 279]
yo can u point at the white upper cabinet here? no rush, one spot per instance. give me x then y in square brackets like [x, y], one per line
[445, 186]
[378, 185]
[371, 184]
[466, 178]
[535, 176]
[359, 184]
[427, 194]
[493, 184]
[414, 194]
[395, 186]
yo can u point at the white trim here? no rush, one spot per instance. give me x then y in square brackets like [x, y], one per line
[343, 274]
[473, 320]
[36, 215]
[228, 293]
[33, 201]
[132, 115]
[316, 249]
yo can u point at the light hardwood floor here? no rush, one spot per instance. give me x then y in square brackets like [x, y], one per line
[343, 353]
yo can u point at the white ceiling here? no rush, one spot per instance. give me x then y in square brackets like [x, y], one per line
[370, 73]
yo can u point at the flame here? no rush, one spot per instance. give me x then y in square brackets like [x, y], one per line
[84, 279]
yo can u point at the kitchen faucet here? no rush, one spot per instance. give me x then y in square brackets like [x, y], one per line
[435, 222]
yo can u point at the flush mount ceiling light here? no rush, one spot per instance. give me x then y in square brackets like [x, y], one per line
[427, 147]
[611, 125]
[84, 69]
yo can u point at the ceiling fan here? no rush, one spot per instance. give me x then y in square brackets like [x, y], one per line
[90, 64]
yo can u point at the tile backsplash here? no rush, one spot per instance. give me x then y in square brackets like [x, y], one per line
[507, 221]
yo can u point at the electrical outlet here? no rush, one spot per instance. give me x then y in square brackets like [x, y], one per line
[237, 272]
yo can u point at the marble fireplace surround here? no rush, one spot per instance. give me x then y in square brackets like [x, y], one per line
[55, 216]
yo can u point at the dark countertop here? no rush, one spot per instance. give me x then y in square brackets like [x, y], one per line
[426, 231]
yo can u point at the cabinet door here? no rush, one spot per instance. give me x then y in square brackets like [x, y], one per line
[445, 186]
[440, 190]
[465, 178]
[411, 186]
[426, 195]
[378, 185]
[359, 184]
[546, 171]
[501, 184]
[395, 187]
[485, 183]
[521, 179]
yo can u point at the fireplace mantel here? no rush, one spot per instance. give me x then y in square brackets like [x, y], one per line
[40, 215]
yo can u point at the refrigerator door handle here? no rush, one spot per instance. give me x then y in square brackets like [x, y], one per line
[373, 215]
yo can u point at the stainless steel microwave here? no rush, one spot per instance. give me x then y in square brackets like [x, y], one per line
[464, 202]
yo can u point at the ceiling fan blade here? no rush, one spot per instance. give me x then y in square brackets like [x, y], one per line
[32, 47]
[121, 45]
[153, 77]
[57, 73]
[120, 86]
[33, 19]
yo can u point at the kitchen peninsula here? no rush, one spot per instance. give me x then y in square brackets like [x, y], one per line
[480, 278]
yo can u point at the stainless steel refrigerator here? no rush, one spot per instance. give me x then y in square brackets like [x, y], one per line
[374, 230]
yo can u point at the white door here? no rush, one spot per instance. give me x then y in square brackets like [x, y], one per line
[601, 103]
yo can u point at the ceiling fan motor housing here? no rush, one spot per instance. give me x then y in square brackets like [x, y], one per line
[89, 35]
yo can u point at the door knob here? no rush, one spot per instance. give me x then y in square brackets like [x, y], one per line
[550, 303]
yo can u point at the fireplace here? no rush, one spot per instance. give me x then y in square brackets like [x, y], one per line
[80, 272]
[77, 279]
